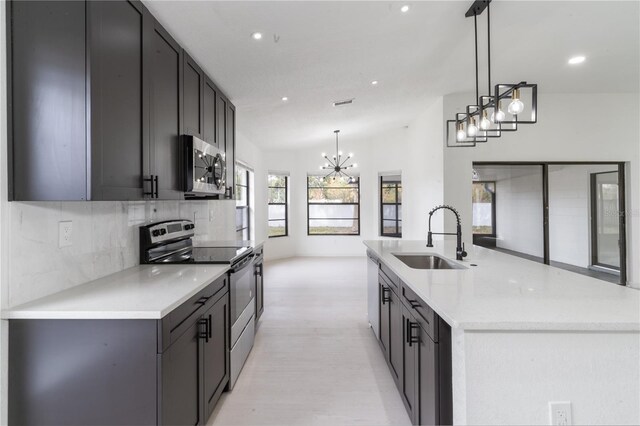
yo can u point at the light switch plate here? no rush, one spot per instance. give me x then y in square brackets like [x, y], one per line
[65, 233]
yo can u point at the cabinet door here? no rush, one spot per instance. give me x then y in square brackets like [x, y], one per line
[210, 119]
[192, 88]
[221, 121]
[46, 58]
[230, 147]
[216, 353]
[119, 99]
[181, 380]
[384, 318]
[395, 337]
[410, 366]
[428, 381]
[165, 58]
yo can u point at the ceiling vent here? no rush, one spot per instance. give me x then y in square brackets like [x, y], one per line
[344, 102]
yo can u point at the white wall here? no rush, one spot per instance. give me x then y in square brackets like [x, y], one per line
[415, 151]
[564, 132]
[553, 366]
[569, 213]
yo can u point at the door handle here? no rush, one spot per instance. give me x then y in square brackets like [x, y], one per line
[155, 179]
[209, 327]
[151, 180]
[411, 339]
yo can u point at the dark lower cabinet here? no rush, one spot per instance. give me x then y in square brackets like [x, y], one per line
[122, 372]
[181, 366]
[215, 353]
[416, 343]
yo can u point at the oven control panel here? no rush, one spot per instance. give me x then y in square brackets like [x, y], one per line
[164, 232]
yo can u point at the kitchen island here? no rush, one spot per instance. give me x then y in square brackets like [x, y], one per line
[525, 334]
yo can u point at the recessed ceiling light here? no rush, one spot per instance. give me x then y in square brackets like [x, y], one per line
[577, 60]
[256, 36]
[405, 8]
[374, 83]
[285, 99]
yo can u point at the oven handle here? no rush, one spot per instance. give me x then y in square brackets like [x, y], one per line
[243, 264]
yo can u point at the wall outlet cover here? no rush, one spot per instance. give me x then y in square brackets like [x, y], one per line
[65, 233]
[560, 413]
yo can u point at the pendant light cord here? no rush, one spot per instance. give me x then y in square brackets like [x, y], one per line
[475, 26]
[489, 47]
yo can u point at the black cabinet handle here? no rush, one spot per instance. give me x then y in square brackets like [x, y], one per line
[411, 339]
[151, 180]
[209, 327]
[202, 300]
[204, 334]
[385, 298]
[414, 303]
[155, 179]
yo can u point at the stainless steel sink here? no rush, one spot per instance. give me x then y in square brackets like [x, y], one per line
[427, 261]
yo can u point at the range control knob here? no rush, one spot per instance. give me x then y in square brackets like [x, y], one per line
[155, 232]
[163, 231]
[192, 226]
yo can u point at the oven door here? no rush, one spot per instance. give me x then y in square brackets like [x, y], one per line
[241, 293]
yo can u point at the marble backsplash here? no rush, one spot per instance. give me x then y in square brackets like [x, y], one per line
[105, 239]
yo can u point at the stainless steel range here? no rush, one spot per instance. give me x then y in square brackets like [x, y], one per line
[171, 242]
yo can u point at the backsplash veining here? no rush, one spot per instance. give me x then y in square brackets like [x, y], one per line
[105, 239]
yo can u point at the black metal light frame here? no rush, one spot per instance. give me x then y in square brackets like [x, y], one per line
[337, 165]
[501, 93]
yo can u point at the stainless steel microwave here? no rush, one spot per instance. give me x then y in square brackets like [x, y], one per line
[205, 169]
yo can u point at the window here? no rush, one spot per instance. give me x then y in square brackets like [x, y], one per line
[278, 205]
[390, 206]
[483, 200]
[605, 220]
[333, 206]
[243, 206]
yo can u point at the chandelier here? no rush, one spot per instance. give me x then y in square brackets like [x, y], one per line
[486, 117]
[336, 165]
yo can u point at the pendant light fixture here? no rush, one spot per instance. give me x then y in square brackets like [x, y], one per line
[337, 165]
[487, 117]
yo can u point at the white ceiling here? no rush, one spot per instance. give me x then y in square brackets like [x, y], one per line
[322, 51]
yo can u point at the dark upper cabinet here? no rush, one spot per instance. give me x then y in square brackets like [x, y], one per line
[210, 120]
[119, 99]
[47, 100]
[230, 148]
[192, 96]
[165, 63]
[99, 94]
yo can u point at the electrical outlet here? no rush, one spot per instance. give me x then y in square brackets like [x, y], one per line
[560, 412]
[65, 233]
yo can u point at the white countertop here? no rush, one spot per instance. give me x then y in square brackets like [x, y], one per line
[504, 292]
[254, 244]
[141, 292]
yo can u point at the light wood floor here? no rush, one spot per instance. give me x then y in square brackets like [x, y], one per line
[315, 360]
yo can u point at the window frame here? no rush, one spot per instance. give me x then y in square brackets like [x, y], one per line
[594, 190]
[246, 208]
[494, 232]
[397, 220]
[286, 204]
[309, 204]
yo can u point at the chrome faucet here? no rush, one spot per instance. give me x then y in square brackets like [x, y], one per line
[460, 253]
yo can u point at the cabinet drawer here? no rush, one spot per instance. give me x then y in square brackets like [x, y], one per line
[423, 314]
[390, 276]
[178, 321]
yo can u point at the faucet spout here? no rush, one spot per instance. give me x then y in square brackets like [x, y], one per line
[460, 251]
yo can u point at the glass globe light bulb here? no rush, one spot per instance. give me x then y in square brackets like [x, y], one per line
[324, 154]
[516, 106]
[498, 114]
[484, 122]
[460, 134]
[472, 129]
[355, 164]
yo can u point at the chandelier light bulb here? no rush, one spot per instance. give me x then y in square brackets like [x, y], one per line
[472, 129]
[350, 154]
[324, 154]
[516, 106]
[460, 134]
[498, 114]
[355, 164]
[484, 122]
